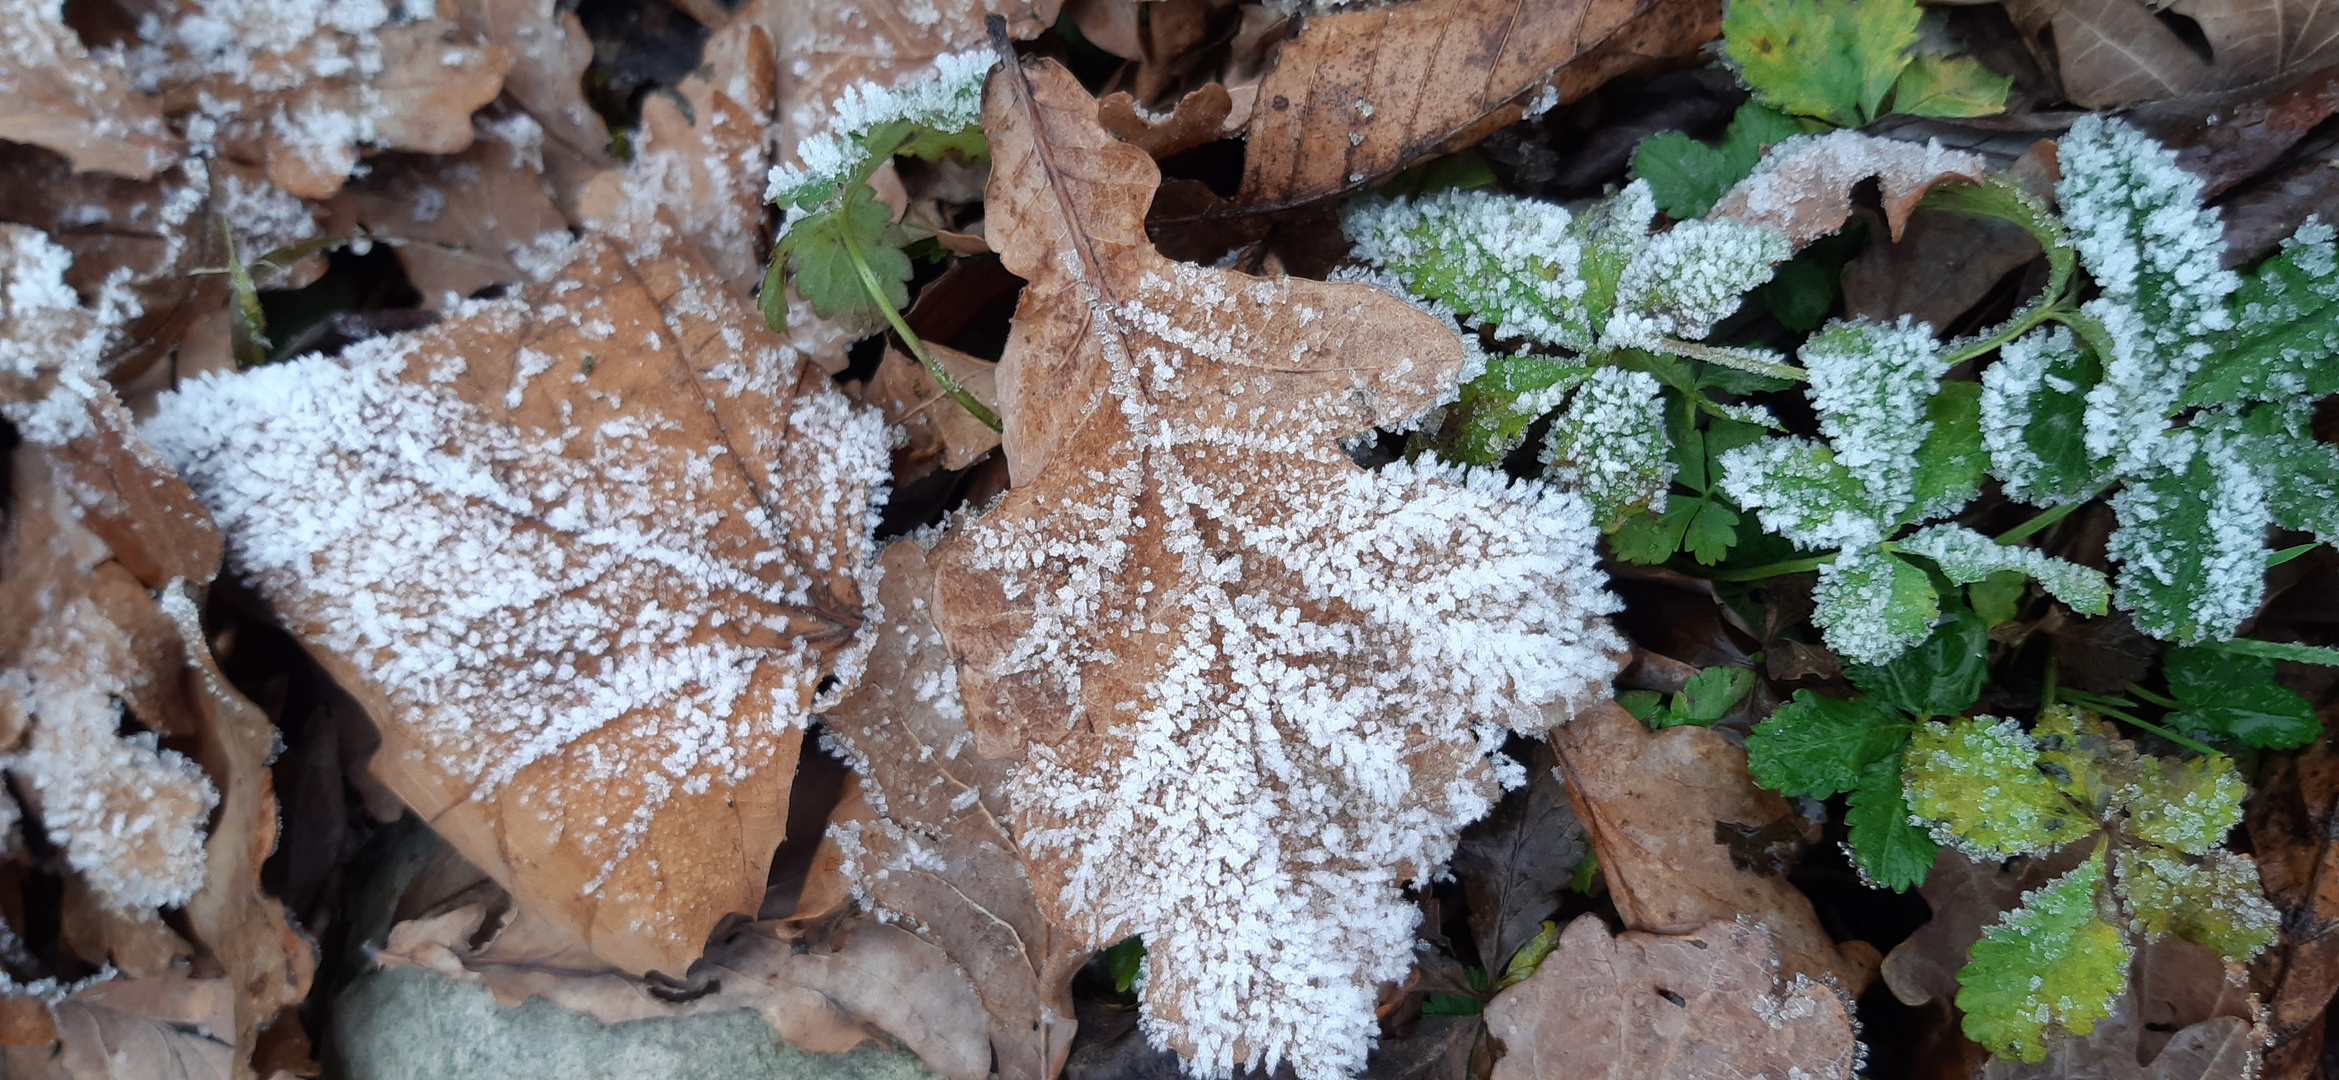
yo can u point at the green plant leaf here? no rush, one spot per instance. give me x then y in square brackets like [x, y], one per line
[1646, 706]
[1799, 491]
[2046, 965]
[2189, 804]
[1530, 956]
[2192, 546]
[1688, 177]
[1966, 556]
[2033, 417]
[1711, 694]
[2215, 901]
[1817, 746]
[1940, 677]
[1833, 59]
[1950, 86]
[1449, 1003]
[1123, 961]
[1649, 539]
[1490, 417]
[1873, 606]
[2284, 344]
[2301, 473]
[819, 249]
[1711, 533]
[1951, 460]
[1609, 444]
[1979, 782]
[1890, 852]
[2235, 697]
[1997, 596]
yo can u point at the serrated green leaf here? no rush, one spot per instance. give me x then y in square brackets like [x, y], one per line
[1490, 416]
[2007, 200]
[2215, 901]
[1817, 746]
[1950, 86]
[1799, 491]
[1686, 176]
[1711, 533]
[1979, 782]
[2188, 804]
[927, 144]
[2192, 546]
[2087, 758]
[1609, 233]
[1609, 444]
[1890, 852]
[1646, 706]
[820, 251]
[1712, 693]
[2235, 697]
[1942, 676]
[1873, 606]
[1997, 596]
[2284, 344]
[2049, 964]
[1649, 539]
[2301, 474]
[1951, 460]
[1833, 60]
[1966, 556]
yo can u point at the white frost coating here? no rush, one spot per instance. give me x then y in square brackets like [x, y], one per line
[2011, 393]
[1852, 603]
[129, 815]
[1610, 444]
[947, 99]
[264, 217]
[515, 590]
[1819, 169]
[1871, 383]
[2158, 549]
[1794, 486]
[1689, 278]
[1509, 264]
[45, 333]
[1966, 556]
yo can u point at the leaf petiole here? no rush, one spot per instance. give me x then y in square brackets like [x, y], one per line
[1791, 566]
[910, 338]
[2040, 521]
[2095, 704]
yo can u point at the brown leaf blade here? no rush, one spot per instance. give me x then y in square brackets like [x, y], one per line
[54, 94]
[585, 555]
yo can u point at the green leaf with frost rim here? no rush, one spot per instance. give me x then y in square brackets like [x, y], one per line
[1952, 460]
[1873, 606]
[2189, 804]
[1799, 491]
[1890, 852]
[1817, 746]
[2049, 964]
[1966, 556]
[1941, 676]
[2034, 414]
[2284, 343]
[818, 248]
[2216, 901]
[1978, 782]
[2191, 543]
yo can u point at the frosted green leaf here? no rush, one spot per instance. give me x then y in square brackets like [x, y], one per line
[2191, 542]
[2049, 964]
[2127, 410]
[1966, 556]
[1611, 232]
[1501, 261]
[2215, 901]
[2034, 406]
[2284, 343]
[1797, 489]
[2137, 220]
[1978, 786]
[1688, 278]
[2301, 474]
[1688, 177]
[1609, 445]
[819, 249]
[2188, 805]
[1890, 852]
[1871, 383]
[1489, 418]
[2086, 758]
[1873, 606]
[871, 122]
[1942, 676]
[1817, 746]
[1951, 462]
[1950, 86]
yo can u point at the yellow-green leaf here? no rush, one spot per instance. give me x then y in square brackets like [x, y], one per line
[1950, 86]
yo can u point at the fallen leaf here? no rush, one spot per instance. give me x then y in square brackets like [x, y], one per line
[57, 96]
[1359, 95]
[550, 53]
[592, 695]
[1941, 266]
[1803, 186]
[1174, 613]
[934, 845]
[2259, 220]
[1651, 804]
[460, 223]
[2218, 1048]
[2231, 136]
[172, 1027]
[1965, 897]
[2288, 819]
[1197, 119]
[826, 989]
[1706, 1003]
[1517, 862]
[940, 433]
[2112, 52]
[2254, 40]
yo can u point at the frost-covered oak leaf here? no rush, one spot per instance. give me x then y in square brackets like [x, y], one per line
[1208, 632]
[2049, 965]
[585, 554]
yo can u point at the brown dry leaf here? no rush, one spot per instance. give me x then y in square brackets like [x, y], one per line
[1359, 95]
[460, 222]
[2255, 40]
[1518, 861]
[1198, 118]
[550, 53]
[1942, 265]
[825, 989]
[585, 554]
[941, 433]
[2289, 819]
[163, 1028]
[1174, 614]
[1656, 807]
[933, 844]
[1700, 1005]
[1803, 187]
[54, 94]
[2115, 52]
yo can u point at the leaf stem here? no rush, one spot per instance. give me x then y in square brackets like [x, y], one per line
[2149, 697]
[910, 338]
[2038, 522]
[1791, 566]
[2092, 703]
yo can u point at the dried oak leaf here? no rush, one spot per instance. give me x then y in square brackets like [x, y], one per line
[940, 434]
[465, 221]
[1359, 95]
[550, 53]
[1695, 1006]
[1938, 269]
[1658, 807]
[933, 845]
[585, 554]
[54, 94]
[1255, 686]
[1803, 187]
[171, 1026]
[824, 989]
[2114, 52]
[1197, 119]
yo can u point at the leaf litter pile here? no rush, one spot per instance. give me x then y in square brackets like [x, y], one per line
[1138, 538]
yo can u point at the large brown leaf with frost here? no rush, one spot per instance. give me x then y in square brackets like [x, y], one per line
[54, 94]
[1358, 95]
[585, 554]
[1700, 1005]
[1253, 685]
[934, 844]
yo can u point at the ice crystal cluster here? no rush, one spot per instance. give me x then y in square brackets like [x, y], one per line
[52, 346]
[947, 99]
[1275, 685]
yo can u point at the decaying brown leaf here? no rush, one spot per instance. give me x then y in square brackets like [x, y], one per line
[171, 1026]
[1940, 267]
[2289, 824]
[2218, 1048]
[1517, 861]
[1657, 807]
[1803, 187]
[460, 222]
[2115, 52]
[54, 94]
[1174, 614]
[1356, 96]
[590, 600]
[826, 988]
[1699, 1005]
[549, 53]
[940, 433]
[941, 854]
[1198, 118]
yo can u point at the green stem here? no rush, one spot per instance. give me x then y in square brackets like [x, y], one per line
[2053, 672]
[910, 338]
[2044, 518]
[2013, 328]
[2148, 696]
[2092, 704]
[1791, 566]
